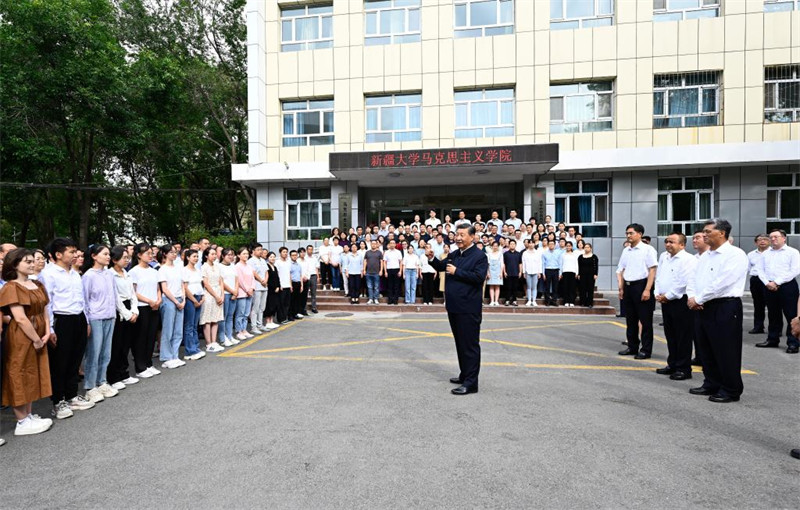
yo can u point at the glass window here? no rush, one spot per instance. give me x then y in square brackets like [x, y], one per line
[484, 113]
[580, 107]
[392, 21]
[478, 18]
[308, 214]
[676, 10]
[307, 28]
[689, 99]
[395, 118]
[583, 205]
[782, 93]
[783, 202]
[307, 122]
[568, 14]
[781, 5]
[684, 203]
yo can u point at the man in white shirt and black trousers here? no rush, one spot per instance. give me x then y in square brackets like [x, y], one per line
[715, 291]
[777, 270]
[636, 274]
[675, 266]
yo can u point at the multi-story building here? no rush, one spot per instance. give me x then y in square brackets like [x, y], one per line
[597, 112]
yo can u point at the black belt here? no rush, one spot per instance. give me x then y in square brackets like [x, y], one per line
[721, 300]
[636, 282]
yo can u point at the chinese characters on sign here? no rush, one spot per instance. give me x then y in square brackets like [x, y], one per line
[432, 158]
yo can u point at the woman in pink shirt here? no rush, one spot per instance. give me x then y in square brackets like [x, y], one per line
[244, 299]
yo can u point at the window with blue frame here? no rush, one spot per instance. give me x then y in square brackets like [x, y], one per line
[484, 113]
[308, 122]
[583, 205]
[391, 21]
[479, 18]
[394, 118]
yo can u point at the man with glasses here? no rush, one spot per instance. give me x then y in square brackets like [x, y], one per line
[777, 270]
[636, 274]
[715, 292]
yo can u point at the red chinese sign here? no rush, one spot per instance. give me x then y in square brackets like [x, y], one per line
[433, 158]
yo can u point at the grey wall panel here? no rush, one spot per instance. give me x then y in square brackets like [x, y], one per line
[728, 184]
[646, 213]
[621, 187]
[644, 187]
[753, 183]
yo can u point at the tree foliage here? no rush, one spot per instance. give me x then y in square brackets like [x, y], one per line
[111, 102]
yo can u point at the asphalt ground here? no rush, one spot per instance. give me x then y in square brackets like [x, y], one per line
[356, 412]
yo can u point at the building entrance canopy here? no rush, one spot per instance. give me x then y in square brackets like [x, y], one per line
[463, 165]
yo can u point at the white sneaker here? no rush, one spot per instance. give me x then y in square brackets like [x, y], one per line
[263, 329]
[234, 340]
[179, 362]
[61, 410]
[144, 375]
[80, 403]
[2, 441]
[299, 316]
[227, 342]
[29, 426]
[129, 381]
[170, 364]
[154, 370]
[255, 332]
[272, 325]
[95, 395]
[199, 355]
[119, 385]
[38, 418]
[214, 347]
[107, 390]
[534, 303]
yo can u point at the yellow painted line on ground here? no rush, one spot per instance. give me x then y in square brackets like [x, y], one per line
[230, 351]
[542, 326]
[338, 344]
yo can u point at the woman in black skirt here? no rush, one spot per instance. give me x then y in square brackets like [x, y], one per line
[587, 275]
[273, 292]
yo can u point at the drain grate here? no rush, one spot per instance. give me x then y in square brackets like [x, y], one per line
[336, 315]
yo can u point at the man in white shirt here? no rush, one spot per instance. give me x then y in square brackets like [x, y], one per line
[284, 267]
[392, 259]
[495, 220]
[432, 221]
[416, 223]
[715, 291]
[259, 266]
[324, 263]
[312, 268]
[675, 266]
[636, 274]
[757, 290]
[699, 244]
[513, 220]
[777, 270]
[462, 219]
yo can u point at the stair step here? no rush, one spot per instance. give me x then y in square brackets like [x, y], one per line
[403, 308]
[339, 299]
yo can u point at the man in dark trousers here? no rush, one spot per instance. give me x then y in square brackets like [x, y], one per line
[466, 270]
[636, 274]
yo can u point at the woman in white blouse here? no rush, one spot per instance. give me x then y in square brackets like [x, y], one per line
[127, 316]
[195, 297]
[411, 269]
[569, 271]
[148, 295]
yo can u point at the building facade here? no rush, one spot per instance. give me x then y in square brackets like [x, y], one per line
[597, 112]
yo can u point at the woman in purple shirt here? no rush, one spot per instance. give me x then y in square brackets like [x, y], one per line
[100, 298]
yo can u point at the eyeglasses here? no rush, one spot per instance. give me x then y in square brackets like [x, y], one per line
[630, 233]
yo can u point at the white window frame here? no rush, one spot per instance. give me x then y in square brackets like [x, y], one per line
[665, 100]
[469, 30]
[675, 14]
[394, 104]
[306, 44]
[793, 113]
[308, 137]
[777, 191]
[307, 232]
[484, 99]
[579, 227]
[393, 37]
[781, 5]
[560, 21]
[563, 98]
[686, 225]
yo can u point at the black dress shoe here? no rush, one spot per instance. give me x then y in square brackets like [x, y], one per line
[624, 342]
[792, 349]
[795, 453]
[665, 371]
[620, 315]
[456, 380]
[628, 352]
[314, 310]
[756, 331]
[642, 355]
[681, 376]
[768, 343]
[702, 390]
[696, 362]
[463, 390]
[722, 399]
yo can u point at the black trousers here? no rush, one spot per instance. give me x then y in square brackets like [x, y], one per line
[144, 339]
[637, 311]
[466, 328]
[296, 302]
[718, 330]
[393, 285]
[324, 273]
[354, 285]
[757, 291]
[782, 303]
[679, 330]
[121, 342]
[570, 284]
[586, 289]
[551, 286]
[427, 287]
[284, 304]
[65, 358]
[304, 296]
[510, 285]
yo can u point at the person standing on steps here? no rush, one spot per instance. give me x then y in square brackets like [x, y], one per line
[466, 270]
